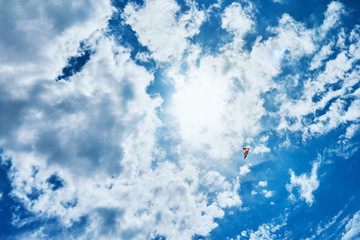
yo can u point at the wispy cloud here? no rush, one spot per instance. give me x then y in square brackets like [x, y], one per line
[352, 228]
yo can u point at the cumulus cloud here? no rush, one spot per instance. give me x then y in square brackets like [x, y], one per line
[305, 183]
[332, 16]
[88, 150]
[262, 184]
[351, 131]
[265, 192]
[32, 30]
[227, 192]
[245, 169]
[166, 34]
[87, 145]
[324, 53]
[268, 194]
[213, 93]
[261, 148]
[238, 19]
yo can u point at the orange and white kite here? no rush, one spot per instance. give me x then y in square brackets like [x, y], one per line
[246, 152]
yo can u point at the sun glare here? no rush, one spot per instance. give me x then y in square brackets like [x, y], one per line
[199, 104]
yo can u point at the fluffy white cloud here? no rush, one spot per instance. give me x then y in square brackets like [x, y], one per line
[324, 53]
[306, 184]
[351, 131]
[105, 170]
[32, 30]
[352, 228]
[85, 147]
[332, 16]
[213, 94]
[238, 19]
[166, 34]
[261, 148]
[39, 36]
[268, 194]
[226, 192]
[88, 147]
[262, 183]
[245, 169]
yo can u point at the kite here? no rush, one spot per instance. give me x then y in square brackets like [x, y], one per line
[246, 151]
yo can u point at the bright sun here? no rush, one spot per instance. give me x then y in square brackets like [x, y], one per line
[199, 104]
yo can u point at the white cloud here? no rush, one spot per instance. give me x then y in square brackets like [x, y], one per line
[293, 37]
[143, 56]
[209, 110]
[268, 230]
[166, 34]
[320, 229]
[213, 94]
[340, 43]
[318, 59]
[245, 169]
[97, 131]
[238, 20]
[261, 148]
[227, 192]
[352, 228]
[330, 107]
[264, 138]
[351, 131]
[262, 184]
[306, 184]
[37, 33]
[106, 169]
[265, 232]
[332, 16]
[268, 194]
[75, 137]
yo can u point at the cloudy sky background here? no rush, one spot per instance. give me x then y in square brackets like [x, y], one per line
[127, 119]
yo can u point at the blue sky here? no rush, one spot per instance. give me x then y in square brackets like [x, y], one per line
[127, 119]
